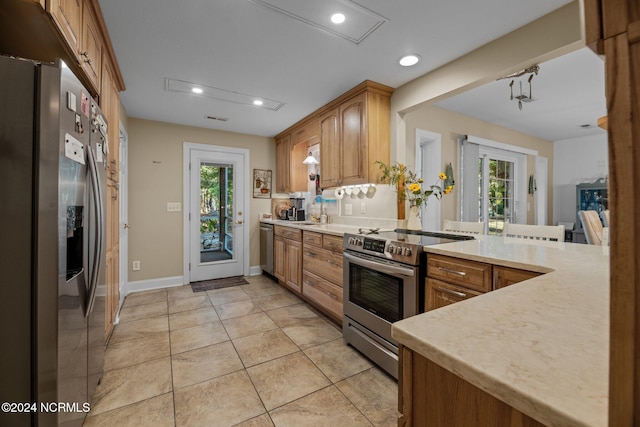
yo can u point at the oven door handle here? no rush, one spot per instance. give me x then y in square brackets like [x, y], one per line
[378, 266]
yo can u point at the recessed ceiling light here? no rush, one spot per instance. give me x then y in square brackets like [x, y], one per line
[409, 60]
[196, 90]
[337, 18]
[257, 102]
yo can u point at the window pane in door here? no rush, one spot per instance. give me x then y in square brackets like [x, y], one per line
[500, 197]
[215, 206]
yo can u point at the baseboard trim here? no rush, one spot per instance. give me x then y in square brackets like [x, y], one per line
[255, 270]
[151, 284]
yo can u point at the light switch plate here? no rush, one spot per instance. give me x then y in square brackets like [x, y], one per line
[174, 207]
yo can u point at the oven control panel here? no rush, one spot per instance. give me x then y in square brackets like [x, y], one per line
[386, 248]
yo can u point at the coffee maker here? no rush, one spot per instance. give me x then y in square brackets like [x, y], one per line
[296, 209]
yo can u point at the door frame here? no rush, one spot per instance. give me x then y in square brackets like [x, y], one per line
[429, 159]
[124, 217]
[186, 235]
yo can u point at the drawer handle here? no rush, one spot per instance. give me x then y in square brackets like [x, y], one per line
[449, 291]
[332, 295]
[306, 282]
[333, 263]
[309, 254]
[446, 270]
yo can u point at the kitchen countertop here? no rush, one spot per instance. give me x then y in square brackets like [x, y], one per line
[542, 345]
[331, 228]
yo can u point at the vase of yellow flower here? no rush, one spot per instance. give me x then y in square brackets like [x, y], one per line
[413, 189]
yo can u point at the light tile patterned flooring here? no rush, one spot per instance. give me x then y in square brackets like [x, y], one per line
[250, 355]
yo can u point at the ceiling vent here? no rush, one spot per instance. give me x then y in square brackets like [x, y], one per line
[181, 86]
[220, 119]
[360, 22]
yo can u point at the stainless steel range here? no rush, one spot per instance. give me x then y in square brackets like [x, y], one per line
[383, 283]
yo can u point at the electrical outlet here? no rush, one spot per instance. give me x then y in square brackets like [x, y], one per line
[136, 266]
[348, 209]
[363, 208]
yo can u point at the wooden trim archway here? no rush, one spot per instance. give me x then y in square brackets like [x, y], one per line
[613, 30]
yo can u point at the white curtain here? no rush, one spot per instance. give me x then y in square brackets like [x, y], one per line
[469, 155]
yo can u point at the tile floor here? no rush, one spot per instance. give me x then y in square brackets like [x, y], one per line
[250, 355]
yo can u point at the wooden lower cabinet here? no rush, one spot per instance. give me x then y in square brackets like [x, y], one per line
[287, 258]
[322, 273]
[505, 276]
[431, 396]
[450, 280]
[325, 294]
[441, 293]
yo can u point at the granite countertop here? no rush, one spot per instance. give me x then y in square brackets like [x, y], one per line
[542, 345]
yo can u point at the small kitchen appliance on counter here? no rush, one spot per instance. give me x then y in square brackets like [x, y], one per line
[296, 209]
[383, 282]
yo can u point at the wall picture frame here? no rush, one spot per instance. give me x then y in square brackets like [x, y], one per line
[261, 184]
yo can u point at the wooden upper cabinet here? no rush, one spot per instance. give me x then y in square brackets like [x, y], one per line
[329, 150]
[353, 131]
[67, 14]
[90, 52]
[354, 135]
[354, 140]
[283, 158]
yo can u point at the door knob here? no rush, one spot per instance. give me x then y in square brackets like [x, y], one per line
[239, 221]
[126, 226]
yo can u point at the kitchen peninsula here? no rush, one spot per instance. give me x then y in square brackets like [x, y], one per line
[540, 347]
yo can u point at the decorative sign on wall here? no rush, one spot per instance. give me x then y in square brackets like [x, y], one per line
[261, 184]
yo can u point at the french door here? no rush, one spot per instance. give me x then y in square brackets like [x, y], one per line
[500, 183]
[216, 214]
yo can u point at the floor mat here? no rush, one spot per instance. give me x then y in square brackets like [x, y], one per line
[207, 285]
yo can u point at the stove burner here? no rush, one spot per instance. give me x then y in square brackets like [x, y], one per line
[369, 231]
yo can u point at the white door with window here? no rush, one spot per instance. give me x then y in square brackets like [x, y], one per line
[494, 182]
[500, 188]
[216, 215]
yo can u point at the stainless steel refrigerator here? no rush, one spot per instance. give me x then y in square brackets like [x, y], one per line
[53, 150]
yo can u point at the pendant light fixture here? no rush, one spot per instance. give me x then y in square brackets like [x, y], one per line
[522, 97]
[310, 160]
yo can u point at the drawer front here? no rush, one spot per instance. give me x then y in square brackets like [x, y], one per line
[470, 274]
[288, 233]
[324, 293]
[312, 238]
[333, 243]
[440, 294]
[323, 263]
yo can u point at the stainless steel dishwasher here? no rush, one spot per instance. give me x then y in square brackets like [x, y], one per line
[266, 247]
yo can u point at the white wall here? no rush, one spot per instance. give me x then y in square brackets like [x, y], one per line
[576, 161]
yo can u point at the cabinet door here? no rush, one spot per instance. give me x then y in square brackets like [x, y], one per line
[440, 294]
[353, 140]
[330, 152]
[505, 276]
[91, 51]
[283, 167]
[67, 14]
[293, 266]
[279, 257]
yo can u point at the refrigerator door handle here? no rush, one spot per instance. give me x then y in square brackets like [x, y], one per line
[97, 249]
